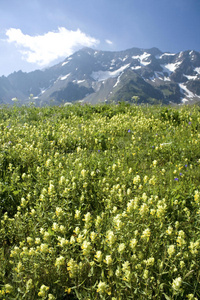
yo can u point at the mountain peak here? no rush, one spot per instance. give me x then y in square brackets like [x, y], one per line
[91, 75]
[154, 51]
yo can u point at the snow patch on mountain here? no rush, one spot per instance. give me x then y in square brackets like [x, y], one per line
[184, 90]
[103, 75]
[64, 77]
[65, 62]
[160, 76]
[173, 67]
[181, 54]
[42, 91]
[197, 70]
[192, 54]
[118, 80]
[136, 67]
[164, 54]
[190, 77]
[125, 58]
[187, 93]
[143, 59]
[170, 68]
[166, 79]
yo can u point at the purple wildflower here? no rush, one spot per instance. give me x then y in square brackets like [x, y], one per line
[176, 179]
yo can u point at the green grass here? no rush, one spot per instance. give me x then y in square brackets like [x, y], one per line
[100, 202]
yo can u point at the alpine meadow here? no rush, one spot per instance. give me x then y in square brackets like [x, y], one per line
[100, 202]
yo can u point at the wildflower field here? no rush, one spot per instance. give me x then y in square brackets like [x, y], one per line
[100, 202]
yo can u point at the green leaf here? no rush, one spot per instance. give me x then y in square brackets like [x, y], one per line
[167, 297]
[50, 231]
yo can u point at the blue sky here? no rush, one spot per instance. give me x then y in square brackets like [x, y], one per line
[35, 34]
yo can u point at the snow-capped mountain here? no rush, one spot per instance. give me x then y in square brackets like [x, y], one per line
[95, 76]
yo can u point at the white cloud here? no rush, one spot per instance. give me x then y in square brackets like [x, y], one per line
[109, 42]
[43, 49]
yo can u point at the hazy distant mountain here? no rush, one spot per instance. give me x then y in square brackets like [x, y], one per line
[95, 76]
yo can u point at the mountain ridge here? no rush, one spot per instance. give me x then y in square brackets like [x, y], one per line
[93, 76]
